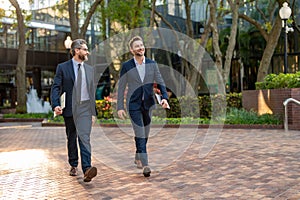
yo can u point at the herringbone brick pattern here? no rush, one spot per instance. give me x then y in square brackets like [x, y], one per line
[240, 164]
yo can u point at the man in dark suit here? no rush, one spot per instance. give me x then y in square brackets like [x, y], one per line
[77, 80]
[139, 74]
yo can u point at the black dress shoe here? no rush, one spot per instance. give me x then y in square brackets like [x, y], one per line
[89, 174]
[138, 164]
[73, 171]
[146, 171]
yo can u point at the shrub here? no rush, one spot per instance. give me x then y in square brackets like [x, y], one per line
[201, 106]
[28, 115]
[104, 108]
[234, 100]
[241, 116]
[273, 81]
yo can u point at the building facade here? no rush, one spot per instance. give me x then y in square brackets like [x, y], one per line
[46, 32]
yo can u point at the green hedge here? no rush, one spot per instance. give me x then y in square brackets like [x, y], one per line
[241, 116]
[183, 111]
[181, 107]
[29, 115]
[201, 106]
[274, 81]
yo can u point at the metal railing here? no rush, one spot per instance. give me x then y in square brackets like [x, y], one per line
[286, 112]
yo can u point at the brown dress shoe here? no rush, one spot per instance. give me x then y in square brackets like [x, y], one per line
[73, 171]
[146, 171]
[138, 164]
[89, 174]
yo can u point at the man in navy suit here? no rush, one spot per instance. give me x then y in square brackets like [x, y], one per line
[77, 80]
[139, 74]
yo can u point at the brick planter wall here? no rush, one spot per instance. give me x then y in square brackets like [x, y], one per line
[271, 101]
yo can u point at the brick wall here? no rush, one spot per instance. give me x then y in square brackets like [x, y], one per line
[294, 110]
[271, 101]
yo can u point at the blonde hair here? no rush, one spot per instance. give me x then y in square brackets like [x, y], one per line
[132, 40]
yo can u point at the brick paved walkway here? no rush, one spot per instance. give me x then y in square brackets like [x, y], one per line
[243, 164]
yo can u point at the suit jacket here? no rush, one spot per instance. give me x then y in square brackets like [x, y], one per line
[139, 90]
[64, 82]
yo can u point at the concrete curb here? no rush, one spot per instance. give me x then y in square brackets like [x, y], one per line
[227, 126]
[45, 123]
[22, 120]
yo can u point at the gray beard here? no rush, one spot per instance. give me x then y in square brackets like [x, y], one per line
[82, 57]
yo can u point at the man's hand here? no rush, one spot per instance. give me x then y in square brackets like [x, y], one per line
[58, 110]
[94, 119]
[165, 104]
[122, 114]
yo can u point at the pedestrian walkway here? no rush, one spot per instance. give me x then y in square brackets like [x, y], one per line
[187, 163]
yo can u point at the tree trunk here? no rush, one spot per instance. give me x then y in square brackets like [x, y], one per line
[74, 13]
[215, 33]
[206, 33]
[153, 8]
[271, 43]
[192, 72]
[179, 84]
[232, 40]
[21, 63]
[269, 50]
[189, 24]
[73, 18]
[21, 78]
[137, 14]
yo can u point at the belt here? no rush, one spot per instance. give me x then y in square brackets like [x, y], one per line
[82, 102]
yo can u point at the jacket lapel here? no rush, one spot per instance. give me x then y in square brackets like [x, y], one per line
[72, 70]
[147, 68]
[135, 71]
[86, 70]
